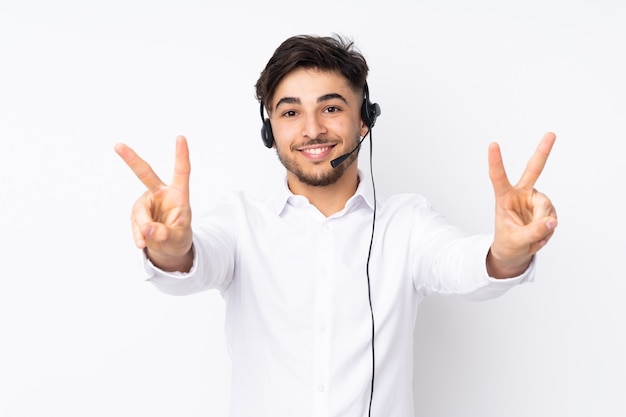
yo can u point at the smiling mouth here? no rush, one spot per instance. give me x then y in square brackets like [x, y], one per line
[316, 152]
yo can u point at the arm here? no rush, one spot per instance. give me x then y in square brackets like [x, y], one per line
[525, 219]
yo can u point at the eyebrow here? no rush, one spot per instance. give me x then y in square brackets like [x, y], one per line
[321, 99]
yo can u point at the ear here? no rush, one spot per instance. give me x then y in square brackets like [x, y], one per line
[364, 129]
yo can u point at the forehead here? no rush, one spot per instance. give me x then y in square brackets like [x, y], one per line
[311, 84]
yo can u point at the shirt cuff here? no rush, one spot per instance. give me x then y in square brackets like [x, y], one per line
[152, 270]
[527, 276]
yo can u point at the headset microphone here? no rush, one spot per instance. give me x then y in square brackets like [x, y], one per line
[337, 161]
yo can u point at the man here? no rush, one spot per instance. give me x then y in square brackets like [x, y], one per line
[322, 281]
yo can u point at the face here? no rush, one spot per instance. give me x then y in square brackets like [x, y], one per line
[316, 117]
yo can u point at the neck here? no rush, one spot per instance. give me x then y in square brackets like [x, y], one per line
[329, 199]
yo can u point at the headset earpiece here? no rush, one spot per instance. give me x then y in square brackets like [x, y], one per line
[369, 111]
[266, 134]
[266, 131]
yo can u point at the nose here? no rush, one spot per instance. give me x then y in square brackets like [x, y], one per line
[313, 126]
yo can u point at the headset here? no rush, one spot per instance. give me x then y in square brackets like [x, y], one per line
[369, 113]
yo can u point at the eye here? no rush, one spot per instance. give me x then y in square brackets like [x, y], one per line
[332, 109]
[288, 113]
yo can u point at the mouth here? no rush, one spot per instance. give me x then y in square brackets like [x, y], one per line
[316, 152]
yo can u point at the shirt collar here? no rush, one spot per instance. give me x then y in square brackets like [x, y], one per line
[284, 196]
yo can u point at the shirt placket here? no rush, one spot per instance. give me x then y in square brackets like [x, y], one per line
[323, 309]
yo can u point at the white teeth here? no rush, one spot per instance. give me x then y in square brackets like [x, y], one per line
[316, 151]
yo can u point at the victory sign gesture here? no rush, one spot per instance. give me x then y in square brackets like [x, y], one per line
[161, 217]
[525, 218]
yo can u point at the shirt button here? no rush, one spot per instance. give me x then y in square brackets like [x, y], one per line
[323, 328]
[321, 388]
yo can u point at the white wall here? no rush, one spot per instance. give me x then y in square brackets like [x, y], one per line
[83, 335]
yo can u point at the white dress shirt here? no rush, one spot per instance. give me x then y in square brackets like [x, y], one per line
[294, 282]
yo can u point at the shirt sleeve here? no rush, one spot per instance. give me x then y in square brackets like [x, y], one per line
[453, 263]
[479, 285]
[214, 253]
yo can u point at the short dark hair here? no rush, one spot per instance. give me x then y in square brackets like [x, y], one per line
[325, 53]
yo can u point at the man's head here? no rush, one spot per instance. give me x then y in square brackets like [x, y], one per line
[314, 91]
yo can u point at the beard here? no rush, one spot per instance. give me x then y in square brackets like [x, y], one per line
[320, 178]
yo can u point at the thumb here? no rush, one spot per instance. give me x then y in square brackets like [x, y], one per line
[540, 231]
[155, 232]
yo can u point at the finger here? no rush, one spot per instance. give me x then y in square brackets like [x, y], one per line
[150, 235]
[156, 234]
[541, 226]
[497, 174]
[138, 237]
[539, 233]
[538, 161]
[182, 166]
[141, 219]
[543, 242]
[141, 168]
[542, 206]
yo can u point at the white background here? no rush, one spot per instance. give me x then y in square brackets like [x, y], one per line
[83, 335]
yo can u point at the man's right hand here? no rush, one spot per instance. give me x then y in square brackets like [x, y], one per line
[161, 217]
